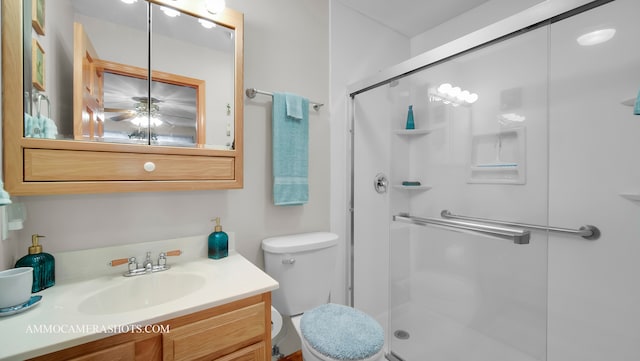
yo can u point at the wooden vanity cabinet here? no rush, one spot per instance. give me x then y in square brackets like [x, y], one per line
[237, 331]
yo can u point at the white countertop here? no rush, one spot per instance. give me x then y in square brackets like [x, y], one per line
[226, 280]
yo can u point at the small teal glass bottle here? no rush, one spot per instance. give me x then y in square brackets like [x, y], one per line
[218, 242]
[44, 270]
[410, 122]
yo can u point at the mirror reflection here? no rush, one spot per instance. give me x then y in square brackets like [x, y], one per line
[110, 75]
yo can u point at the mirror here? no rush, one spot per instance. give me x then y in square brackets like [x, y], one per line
[139, 72]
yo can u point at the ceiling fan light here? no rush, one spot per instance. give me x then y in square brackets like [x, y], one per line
[215, 6]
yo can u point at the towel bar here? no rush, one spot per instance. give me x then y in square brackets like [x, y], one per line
[251, 93]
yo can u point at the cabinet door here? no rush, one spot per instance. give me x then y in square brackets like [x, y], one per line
[122, 347]
[217, 336]
[87, 87]
[252, 353]
[123, 352]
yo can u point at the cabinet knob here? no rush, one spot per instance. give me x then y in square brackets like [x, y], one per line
[149, 166]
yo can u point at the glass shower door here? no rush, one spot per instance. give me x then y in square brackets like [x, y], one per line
[480, 150]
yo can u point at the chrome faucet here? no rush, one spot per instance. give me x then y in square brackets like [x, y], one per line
[147, 265]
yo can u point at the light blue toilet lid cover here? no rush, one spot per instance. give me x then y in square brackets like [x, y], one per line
[342, 332]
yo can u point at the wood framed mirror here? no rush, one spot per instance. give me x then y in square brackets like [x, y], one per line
[136, 118]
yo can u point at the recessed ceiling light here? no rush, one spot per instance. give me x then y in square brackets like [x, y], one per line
[129, 1]
[596, 37]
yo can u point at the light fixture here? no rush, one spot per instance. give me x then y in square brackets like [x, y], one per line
[129, 1]
[147, 115]
[170, 12]
[596, 37]
[142, 120]
[207, 24]
[454, 95]
[215, 6]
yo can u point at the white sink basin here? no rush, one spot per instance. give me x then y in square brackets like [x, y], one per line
[142, 291]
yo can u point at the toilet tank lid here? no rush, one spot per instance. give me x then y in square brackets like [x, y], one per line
[299, 242]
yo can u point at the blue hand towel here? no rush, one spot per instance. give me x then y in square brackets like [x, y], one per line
[636, 108]
[28, 125]
[290, 152]
[294, 106]
[49, 128]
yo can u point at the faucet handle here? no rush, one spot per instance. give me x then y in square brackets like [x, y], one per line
[117, 262]
[175, 252]
[162, 257]
[131, 261]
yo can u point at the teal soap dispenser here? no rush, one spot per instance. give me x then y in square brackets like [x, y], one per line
[44, 270]
[410, 122]
[218, 242]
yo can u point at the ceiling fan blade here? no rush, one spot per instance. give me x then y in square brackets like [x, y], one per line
[117, 110]
[121, 117]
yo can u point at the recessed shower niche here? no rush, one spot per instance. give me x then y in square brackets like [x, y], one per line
[498, 157]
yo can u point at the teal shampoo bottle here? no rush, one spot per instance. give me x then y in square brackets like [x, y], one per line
[410, 122]
[44, 271]
[218, 242]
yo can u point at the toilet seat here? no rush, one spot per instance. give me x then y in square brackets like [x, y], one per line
[337, 332]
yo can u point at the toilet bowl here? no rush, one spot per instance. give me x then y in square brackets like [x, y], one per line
[299, 263]
[276, 323]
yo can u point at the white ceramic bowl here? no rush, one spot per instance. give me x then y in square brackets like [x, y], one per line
[15, 286]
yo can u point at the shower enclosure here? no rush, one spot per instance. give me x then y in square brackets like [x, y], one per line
[525, 129]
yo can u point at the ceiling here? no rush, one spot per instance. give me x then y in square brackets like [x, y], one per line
[412, 17]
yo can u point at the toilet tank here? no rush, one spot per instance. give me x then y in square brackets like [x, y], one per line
[304, 266]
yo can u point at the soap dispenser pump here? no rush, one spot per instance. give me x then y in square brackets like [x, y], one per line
[44, 273]
[218, 242]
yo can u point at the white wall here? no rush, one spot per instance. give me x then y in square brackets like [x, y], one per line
[474, 19]
[286, 49]
[359, 47]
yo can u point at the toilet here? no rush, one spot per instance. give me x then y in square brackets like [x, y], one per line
[304, 266]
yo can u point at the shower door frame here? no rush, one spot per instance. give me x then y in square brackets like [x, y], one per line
[532, 18]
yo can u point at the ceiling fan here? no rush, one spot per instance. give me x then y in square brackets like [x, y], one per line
[141, 108]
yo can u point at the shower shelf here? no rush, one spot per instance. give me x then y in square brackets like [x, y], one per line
[494, 167]
[412, 131]
[412, 188]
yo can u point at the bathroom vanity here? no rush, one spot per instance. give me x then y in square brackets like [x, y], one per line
[198, 309]
[239, 330]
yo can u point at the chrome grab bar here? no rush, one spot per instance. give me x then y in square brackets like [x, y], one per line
[518, 236]
[587, 232]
